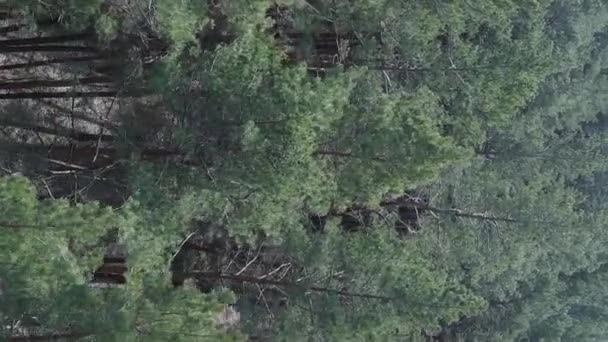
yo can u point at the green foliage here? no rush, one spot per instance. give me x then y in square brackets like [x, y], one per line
[48, 251]
[74, 14]
[278, 145]
[289, 142]
[392, 141]
[179, 21]
[107, 27]
[411, 295]
[279, 123]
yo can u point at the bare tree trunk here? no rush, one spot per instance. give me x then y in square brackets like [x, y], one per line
[6, 14]
[62, 60]
[10, 28]
[82, 156]
[54, 83]
[46, 48]
[65, 95]
[46, 40]
[80, 116]
[58, 131]
[64, 157]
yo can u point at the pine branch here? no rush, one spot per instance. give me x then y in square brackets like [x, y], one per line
[265, 281]
[459, 212]
[18, 226]
[346, 155]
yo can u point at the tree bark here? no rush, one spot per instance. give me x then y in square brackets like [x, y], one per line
[10, 28]
[65, 95]
[6, 14]
[70, 154]
[46, 48]
[64, 157]
[54, 83]
[80, 116]
[60, 132]
[62, 60]
[46, 40]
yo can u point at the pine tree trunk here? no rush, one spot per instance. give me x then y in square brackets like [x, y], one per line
[65, 95]
[81, 157]
[62, 60]
[6, 13]
[46, 40]
[54, 83]
[10, 28]
[46, 48]
[60, 132]
[80, 116]
[457, 212]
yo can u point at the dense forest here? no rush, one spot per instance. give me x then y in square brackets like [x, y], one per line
[303, 170]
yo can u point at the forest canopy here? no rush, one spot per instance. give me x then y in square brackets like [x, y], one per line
[303, 170]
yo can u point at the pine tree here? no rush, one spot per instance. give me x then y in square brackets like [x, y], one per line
[49, 250]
